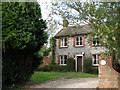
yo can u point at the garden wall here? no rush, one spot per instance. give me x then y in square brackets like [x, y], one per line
[108, 77]
[46, 61]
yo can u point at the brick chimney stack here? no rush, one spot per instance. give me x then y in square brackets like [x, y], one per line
[65, 23]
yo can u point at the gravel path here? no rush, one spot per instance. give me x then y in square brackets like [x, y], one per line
[69, 83]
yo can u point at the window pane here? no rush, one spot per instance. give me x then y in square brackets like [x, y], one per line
[94, 59]
[65, 59]
[97, 59]
[76, 39]
[61, 59]
[77, 43]
[94, 41]
[65, 41]
[80, 38]
[65, 56]
[65, 44]
[61, 42]
[80, 42]
[98, 42]
[94, 62]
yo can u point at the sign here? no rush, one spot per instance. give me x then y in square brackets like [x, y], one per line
[102, 62]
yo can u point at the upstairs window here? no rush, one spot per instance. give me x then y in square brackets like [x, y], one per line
[95, 41]
[63, 59]
[95, 59]
[63, 42]
[79, 41]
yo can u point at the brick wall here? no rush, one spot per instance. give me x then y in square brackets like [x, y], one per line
[46, 61]
[108, 77]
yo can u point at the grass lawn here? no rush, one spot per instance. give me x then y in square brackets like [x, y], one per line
[82, 75]
[39, 77]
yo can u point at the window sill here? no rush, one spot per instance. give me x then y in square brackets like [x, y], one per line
[95, 65]
[63, 64]
[96, 44]
[63, 46]
[78, 46]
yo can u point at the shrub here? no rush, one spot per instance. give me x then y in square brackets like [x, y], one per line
[116, 65]
[88, 68]
[70, 64]
[54, 68]
[46, 52]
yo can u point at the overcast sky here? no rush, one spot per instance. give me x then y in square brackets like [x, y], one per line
[46, 9]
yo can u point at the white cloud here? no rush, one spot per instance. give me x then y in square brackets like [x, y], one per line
[46, 7]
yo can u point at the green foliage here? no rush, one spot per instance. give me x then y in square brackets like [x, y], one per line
[70, 64]
[42, 50]
[82, 75]
[116, 65]
[88, 68]
[103, 17]
[23, 35]
[54, 68]
[46, 52]
[52, 46]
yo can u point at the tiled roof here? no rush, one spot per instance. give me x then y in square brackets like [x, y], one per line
[74, 31]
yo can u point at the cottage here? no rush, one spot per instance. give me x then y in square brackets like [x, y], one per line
[75, 42]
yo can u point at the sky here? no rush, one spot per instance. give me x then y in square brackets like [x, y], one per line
[46, 9]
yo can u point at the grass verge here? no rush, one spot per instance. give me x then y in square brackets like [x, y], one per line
[83, 75]
[44, 76]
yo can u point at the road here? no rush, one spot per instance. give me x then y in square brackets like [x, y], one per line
[69, 83]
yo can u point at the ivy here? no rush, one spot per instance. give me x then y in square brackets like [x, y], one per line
[52, 46]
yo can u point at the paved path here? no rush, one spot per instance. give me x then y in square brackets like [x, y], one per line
[69, 83]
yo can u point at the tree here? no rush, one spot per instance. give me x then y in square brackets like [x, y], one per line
[103, 17]
[23, 35]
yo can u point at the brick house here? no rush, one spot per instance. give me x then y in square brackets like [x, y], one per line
[75, 42]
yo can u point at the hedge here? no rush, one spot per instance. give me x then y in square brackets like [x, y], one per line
[88, 68]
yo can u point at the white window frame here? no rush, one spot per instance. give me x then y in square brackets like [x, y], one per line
[62, 42]
[63, 56]
[78, 41]
[95, 41]
[93, 59]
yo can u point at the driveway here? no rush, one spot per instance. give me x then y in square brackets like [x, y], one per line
[69, 83]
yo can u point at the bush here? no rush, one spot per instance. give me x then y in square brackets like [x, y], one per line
[46, 52]
[70, 64]
[88, 68]
[59, 68]
[54, 68]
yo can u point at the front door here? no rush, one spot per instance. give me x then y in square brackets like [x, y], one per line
[79, 63]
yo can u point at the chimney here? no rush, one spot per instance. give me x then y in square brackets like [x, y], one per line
[65, 23]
